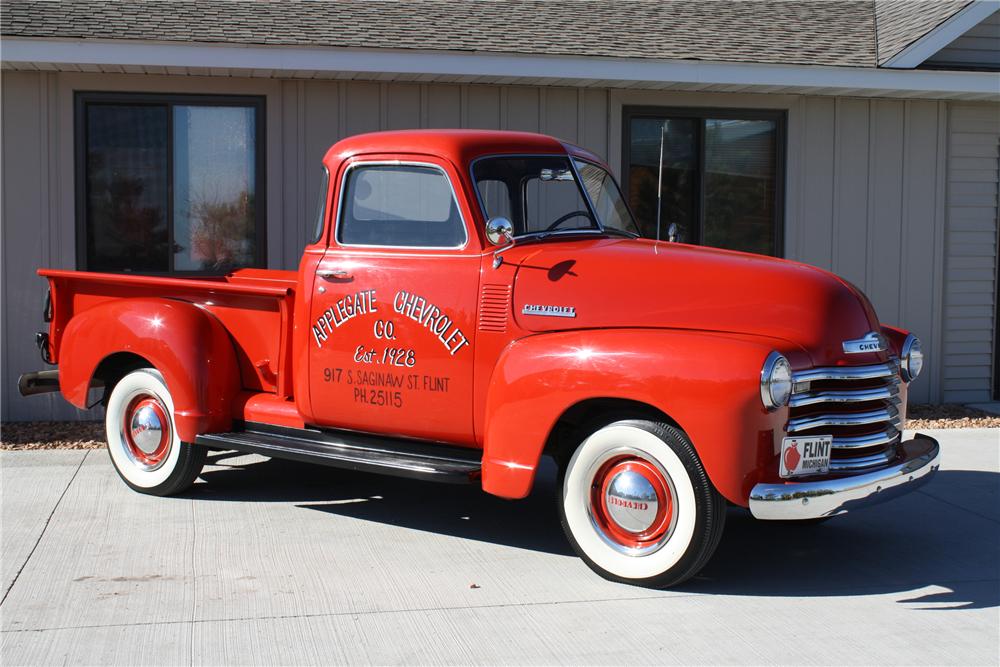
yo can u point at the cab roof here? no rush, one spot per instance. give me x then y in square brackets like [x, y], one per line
[458, 146]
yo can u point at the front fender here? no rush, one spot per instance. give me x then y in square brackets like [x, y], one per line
[188, 345]
[708, 383]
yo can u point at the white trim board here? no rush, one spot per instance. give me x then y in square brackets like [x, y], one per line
[200, 58]
[957, 25]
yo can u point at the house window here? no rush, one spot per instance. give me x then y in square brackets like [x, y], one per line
[169, 183]
[721, 175]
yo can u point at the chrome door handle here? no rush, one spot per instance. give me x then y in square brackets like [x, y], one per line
[334, 274]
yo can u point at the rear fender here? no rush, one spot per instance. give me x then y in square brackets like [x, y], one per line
[707, 383]
[187, 344]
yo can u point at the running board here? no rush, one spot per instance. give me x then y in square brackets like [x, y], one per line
[354, 451]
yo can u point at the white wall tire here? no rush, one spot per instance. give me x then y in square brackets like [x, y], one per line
[143, 444]
[637, 506]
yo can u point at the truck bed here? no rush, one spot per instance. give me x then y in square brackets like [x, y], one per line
[255, 306]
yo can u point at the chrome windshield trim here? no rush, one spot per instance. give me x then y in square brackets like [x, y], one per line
[844, 396]
[855, 419]
[872, 372]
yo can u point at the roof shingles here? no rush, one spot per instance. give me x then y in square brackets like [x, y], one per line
[836, 32]
[899, 23]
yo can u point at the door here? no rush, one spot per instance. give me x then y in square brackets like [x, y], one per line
[394, 313]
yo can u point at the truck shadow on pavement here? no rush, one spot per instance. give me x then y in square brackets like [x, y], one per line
[944, 537]
[446, 509]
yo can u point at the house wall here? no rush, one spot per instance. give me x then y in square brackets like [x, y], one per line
[971, 252]
[871, 205]
[866, 182]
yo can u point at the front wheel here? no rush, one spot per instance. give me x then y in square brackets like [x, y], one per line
[144, 446]
[637, 505]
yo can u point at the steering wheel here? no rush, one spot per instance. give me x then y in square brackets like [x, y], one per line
[568, 216]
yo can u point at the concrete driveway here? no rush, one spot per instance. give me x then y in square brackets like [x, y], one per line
[270, 562]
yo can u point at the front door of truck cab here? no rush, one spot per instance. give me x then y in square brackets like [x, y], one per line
[394, 304]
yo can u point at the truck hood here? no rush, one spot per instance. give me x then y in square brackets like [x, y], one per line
[642, 283]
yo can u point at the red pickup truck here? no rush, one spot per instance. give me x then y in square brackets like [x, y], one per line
[471, 301]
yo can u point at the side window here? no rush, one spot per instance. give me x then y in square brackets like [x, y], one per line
[400, 205]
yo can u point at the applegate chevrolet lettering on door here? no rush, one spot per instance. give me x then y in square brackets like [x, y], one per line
[475, 300]
[340, 313]
[418, 309]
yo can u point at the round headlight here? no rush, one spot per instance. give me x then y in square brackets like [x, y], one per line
[775, 381]
[912, 359]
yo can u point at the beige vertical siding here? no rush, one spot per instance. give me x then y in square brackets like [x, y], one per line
[971, 242]
[871, 209]
[31, 231]
[979, 47]
[318, 113]
[866, 189]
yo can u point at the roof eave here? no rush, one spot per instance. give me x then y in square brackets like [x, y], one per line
[484, 67]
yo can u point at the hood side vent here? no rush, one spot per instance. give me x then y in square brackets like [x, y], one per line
[494, 307]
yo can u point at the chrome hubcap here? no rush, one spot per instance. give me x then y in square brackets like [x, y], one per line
[146, 429]
[632, 501]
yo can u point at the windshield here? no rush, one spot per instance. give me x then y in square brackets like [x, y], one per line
[606, 198]
[541, 194]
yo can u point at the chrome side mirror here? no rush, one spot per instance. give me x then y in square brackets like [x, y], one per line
[500, 231]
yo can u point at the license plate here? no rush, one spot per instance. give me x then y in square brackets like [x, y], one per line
[806, 456]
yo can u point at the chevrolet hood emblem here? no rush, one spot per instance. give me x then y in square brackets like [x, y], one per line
[871, 342]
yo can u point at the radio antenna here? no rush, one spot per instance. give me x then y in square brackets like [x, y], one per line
[659, 182]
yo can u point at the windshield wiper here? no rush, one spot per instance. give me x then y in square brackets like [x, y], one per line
[620, 232]
[532, 236]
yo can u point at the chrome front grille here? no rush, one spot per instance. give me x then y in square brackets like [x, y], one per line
[858, 405]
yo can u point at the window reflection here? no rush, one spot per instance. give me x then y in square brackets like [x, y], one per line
[214, 202]
[679, 202]
[740, 185]
[126, 188]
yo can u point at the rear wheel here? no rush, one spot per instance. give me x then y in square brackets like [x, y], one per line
[144, 446]
[637, 505]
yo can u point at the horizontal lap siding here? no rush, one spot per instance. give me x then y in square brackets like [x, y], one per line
[980, 46]
[871, 209]
[971, 262]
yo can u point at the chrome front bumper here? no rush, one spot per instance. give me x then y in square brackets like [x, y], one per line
[812, 500]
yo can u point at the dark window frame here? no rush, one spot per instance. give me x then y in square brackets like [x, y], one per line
[778, 116]
[82, 99]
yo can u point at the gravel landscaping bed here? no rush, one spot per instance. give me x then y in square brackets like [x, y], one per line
[90, 435]
[949, 416]
[52, 435]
